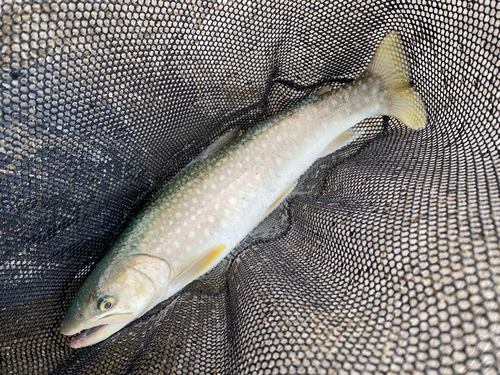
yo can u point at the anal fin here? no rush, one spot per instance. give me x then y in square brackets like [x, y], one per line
[343, 139]
[282, 196]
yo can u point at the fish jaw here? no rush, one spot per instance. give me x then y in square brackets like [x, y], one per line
[95, 334]
[92, 331]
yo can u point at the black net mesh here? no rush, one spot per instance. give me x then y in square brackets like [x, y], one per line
[385, 258]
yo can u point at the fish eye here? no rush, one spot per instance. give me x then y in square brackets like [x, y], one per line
[105, 303]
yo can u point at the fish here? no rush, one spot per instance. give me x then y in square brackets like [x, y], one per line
[211, 205]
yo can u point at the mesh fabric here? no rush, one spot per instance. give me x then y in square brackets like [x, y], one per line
[385, 259]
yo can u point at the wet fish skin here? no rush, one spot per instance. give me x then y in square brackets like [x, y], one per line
[211, 205]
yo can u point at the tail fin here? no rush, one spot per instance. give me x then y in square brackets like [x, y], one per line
[389, 64]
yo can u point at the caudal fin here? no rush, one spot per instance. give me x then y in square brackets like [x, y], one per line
[389, 64]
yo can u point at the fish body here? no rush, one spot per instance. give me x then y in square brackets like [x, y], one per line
[211, 205]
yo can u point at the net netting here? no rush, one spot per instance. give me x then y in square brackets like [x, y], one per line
[385, 259]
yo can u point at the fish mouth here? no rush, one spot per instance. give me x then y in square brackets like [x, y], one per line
[86, 335]
[98, 331]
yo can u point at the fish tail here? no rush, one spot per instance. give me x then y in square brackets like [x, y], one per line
[390, 65]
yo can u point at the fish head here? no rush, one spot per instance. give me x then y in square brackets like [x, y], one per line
[115, 293]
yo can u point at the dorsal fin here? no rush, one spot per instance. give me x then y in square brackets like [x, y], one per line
[219, 143]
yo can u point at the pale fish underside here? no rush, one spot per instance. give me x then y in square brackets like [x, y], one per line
[208, 208]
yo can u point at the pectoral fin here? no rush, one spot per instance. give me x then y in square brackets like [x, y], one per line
[200, 265]
[343, 139]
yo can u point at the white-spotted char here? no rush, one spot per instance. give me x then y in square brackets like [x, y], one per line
[210, 206]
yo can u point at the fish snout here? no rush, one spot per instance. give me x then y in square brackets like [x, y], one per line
[72, 322]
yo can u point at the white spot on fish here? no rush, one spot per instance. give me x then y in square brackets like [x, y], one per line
[278, 138]
[348, 110]
[309, 117]
[347, 97]
[206, 232]
[364, 87]
[176, 244]
[375, 91]
[229, 171]
[326, 109]
[366, 99]
[217, 206]
[211, 219]
[195, 200]
[232, 200]
[278, 161]
[191, 234]
[307, 140]
[239, 165]
[192, 218]
[176, 264]
[178, 214]
[213, 186]
[169, 251]
[170, 222]
[198, 226]
[358, 105]
[315, 109]
[205, 187]
[334, 102]
[201, 241]
[294, 135]
[162, 240]
[188, 249]
[222, 177]
[257, 177]
[339, 115]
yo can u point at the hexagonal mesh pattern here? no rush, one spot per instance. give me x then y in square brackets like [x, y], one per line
[384, 260]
